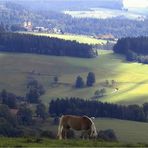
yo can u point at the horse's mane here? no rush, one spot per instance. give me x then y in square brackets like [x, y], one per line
[88, 119]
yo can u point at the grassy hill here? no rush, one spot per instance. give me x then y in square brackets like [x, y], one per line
[126, 131]
[131, 78]
[32, 142]
[129, 133]
[79, 38]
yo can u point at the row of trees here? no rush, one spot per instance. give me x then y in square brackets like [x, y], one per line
[26, 43]
[135, 49]
[78, 106]
[89, 82]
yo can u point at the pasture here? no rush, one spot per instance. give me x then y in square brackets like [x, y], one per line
[126, 131]
[131, 78]
[129, 133]
[79, 38]
[44, 142]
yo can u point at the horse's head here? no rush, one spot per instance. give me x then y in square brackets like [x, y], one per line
[93, 133]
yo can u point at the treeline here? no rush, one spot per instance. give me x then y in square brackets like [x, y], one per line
[135, 49]
[76, 106]
[25, 43]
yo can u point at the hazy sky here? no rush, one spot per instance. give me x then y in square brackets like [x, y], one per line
[136, 3]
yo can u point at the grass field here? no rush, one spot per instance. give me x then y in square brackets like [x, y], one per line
[129, 133]
[131, 78]
[31, 142]
[78, 38]
[126, 131]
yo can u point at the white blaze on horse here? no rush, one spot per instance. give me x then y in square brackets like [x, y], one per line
[84, 124]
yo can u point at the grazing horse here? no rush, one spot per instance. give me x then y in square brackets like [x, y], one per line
[84, 124]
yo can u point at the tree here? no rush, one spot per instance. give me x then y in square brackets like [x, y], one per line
[90, 79]
[102, 91]
[113, 82]
[107, 83]
[56, 79]
[97, 93]
[79, 82]
[2, 27]
[8, 99]
[145, 109]
[24, 116]
[33, 95]
[41, 111]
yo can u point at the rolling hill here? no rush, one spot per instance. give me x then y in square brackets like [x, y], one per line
[129, 134]
[131, 78]
[79, 38]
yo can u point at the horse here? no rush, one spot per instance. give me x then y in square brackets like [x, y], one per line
[79, 123]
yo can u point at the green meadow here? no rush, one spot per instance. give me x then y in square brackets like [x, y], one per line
[131, 78]
[129, 134]
[126, 131]
[79, 38]
[34, 142]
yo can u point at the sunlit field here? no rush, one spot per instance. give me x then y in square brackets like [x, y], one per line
[78, 38]
[131, 78]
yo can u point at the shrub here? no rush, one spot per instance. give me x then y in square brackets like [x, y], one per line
[48, 134]
[107, 135]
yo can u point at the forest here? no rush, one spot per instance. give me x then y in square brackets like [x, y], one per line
[14, 15]
[25, 43]
[134, 48]
[77, 106]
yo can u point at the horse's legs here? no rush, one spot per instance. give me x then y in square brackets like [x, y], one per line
[65, 133]
[83, 134]
[61, 133]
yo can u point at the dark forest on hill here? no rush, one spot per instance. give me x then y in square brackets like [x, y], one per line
[134, 48]
[76, 106]
[25, 43]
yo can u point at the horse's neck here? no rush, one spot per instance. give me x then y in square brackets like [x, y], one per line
[86, 117]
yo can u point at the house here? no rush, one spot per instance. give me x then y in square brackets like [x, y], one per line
[28, 25]
[106, 37]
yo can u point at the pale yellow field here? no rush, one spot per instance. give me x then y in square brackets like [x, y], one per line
[78, 38]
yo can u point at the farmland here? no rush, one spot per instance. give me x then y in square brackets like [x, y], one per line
[79, 38]
[129, 133]
[131, 78]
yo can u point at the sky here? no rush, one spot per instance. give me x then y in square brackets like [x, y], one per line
[135, 3]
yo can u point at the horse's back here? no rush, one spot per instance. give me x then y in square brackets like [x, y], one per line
[76, 122]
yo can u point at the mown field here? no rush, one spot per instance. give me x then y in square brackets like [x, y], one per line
[78, 38]
[131, 78]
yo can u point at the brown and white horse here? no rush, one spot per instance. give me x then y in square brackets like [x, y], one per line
[84, 124]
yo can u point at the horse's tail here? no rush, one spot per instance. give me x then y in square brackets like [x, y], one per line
[60, 128]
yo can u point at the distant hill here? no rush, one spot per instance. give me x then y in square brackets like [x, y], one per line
[61, 5]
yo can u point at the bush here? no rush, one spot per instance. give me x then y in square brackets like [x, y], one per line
[107, 135]
[48, 134]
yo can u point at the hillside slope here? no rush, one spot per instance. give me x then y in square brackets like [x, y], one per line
[131, 78]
